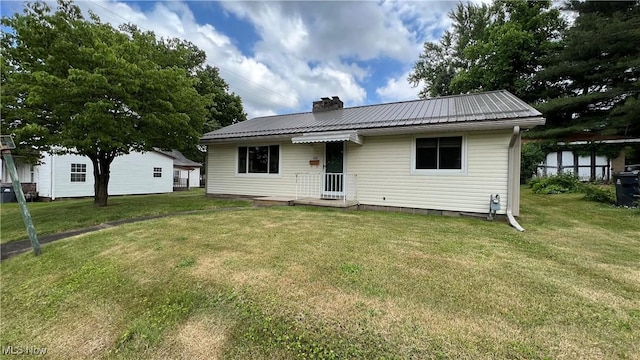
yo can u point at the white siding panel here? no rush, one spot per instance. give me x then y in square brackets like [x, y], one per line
[23, 171]
[44, 177]
[62, 185]
[130, 174]
[133, 174]
[193, 175]
[194, 178]
[383, 168]
[222, 176]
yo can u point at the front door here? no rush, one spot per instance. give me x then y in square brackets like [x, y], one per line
[333, 180]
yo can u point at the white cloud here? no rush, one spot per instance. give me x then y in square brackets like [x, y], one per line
[305, 50]
[397, 89]
[327, 30]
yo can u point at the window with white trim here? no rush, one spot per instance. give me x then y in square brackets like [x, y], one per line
[259, 159]
[78, 172]
[439, 153]
[157, 172]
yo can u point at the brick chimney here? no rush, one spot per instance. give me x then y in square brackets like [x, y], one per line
[327, 104]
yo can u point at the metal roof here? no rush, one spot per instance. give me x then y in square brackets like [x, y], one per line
[178, 158]
[459, 109]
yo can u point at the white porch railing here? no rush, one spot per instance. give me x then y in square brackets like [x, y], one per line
[326, 186]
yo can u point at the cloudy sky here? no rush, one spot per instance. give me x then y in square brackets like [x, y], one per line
[281, 56]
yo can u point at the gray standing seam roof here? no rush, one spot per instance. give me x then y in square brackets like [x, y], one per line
[487, 106]
[179, 159]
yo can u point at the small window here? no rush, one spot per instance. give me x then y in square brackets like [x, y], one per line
[259, 159]
[78, 172]
[444, 153]
[157, 172]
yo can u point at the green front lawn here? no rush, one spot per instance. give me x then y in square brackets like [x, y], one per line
[295, 282]
[63, 215]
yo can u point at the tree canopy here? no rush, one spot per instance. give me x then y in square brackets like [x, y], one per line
[593, 82]
[490, 47]
[583, 77]
[71, 84]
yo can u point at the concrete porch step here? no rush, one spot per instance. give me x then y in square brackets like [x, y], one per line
[273, 201]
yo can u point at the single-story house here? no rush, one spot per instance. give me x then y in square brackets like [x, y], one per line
[587, 167]
[186, 173]
[71, 175]
[443, 155]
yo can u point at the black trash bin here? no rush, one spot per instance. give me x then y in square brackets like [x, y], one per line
[7, 194]
[627, 188]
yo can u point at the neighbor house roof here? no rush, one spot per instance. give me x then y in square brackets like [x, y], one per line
[498, 107]
[179, 160]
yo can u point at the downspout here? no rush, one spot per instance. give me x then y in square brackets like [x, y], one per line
[512, 178]
[52, 173]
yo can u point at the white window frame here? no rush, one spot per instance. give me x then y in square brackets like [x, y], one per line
[267, 174]
[463, 161]
[80, 169]
[157, 170]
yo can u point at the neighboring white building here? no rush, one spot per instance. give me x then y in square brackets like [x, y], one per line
[69, 175]
[588, 168]
[186, 173]
[448, 154]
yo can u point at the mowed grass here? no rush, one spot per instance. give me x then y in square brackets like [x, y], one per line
[279, 283]
[63, 215]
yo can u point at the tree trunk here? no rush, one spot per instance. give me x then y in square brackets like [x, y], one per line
[101, 169]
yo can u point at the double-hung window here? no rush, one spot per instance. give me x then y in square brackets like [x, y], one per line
[78, 172]
[439, 153]
[259, 159]
[157, 172]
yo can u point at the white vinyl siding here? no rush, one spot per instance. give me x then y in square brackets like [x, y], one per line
[222, 176]
[130, 174]
[23, 170]
[193, 175]
[44, 176]
[383, 168]
[385, 177]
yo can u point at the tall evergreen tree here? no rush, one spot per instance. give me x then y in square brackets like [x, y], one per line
[593, 83]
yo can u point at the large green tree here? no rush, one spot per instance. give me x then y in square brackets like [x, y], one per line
[71, 84]
[223, 107]
[490, 47]
[593, 83]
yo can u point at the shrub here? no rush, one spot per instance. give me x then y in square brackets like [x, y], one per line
[532, 155]
[601, 194]
[555, 184]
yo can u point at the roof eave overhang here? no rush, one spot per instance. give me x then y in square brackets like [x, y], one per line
[523, 123]
[187, 167]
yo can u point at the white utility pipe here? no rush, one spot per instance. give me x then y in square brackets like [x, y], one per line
[511, 182]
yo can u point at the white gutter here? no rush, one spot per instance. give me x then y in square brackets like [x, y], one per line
[513, 180]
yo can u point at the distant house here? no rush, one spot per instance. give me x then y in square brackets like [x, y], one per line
[70, 175]
[440, 155]
[186, 173]
[587, 167]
